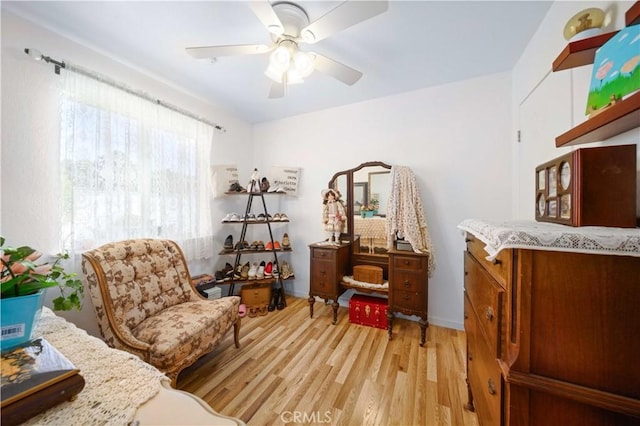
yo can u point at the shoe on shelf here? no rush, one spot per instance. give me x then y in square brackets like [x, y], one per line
[268, 270]
[284, 217]
[276, 216]
[228, 243]
[245, 271]
[260, 245]
[264, 184]
[228, 271]
[275, 272]
[276, 245]
[235, 217]
[260, 271]
[227, 217]
[268, 246]
[236, 187]
[253, 271]
[281, 301]
[237, 274]
[219, 275]
[286, 243]
[261, 217]
[285, 272]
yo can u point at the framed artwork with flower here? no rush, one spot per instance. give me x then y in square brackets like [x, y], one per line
[616, 70]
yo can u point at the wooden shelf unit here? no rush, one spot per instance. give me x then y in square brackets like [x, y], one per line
[617, 119]
[581, 52]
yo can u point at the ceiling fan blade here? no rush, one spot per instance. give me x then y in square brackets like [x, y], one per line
[276, 91]
[342, 16]
[339, 71]
[234, 50]
[266, 15]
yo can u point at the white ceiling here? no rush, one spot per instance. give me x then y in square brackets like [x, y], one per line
[415, 44]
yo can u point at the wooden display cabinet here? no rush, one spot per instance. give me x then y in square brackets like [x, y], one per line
[589, 187]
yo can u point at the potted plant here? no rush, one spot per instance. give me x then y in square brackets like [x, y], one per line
[22, 285]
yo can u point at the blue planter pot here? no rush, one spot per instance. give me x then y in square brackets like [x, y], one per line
[18, 318]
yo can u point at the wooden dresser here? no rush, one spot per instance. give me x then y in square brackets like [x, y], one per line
[329, 263]
[553, 332]
[408, 289]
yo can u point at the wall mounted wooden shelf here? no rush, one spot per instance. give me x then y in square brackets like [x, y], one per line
[581, 52]
[632, 16]
[617, 119]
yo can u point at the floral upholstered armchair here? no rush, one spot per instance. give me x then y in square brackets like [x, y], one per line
[146, 304]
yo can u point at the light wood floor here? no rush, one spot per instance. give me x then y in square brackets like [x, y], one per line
[292, 365]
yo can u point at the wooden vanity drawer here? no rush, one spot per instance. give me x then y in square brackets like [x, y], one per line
[485, 296]
[323, 254]
[408, 302]
[409, 281]
[486, 383]
[323, 278]
[499, 268]
[408, 263]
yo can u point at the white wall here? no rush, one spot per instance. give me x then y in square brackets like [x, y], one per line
[546, 104]
[454, 137]
[30, 131]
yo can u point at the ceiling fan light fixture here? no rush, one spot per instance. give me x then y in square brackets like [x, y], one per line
[293, 76]
[274, 74]
[303, 63]
[280, 59]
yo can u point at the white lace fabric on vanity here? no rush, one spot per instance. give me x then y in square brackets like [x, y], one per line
[349, 280]
[116, 382]
[551, 236]
[405, 214]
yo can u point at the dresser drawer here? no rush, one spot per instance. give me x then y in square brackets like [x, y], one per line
[485, 296]
[323, 278]
[323, 254]
[470, 327]
[499, 268]
[486, 384]
[409, 302]
[411, 263]
[408, 281]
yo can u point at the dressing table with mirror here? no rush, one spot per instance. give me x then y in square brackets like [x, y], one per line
[365, 192]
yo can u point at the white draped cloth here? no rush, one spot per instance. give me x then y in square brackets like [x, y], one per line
[405, 214]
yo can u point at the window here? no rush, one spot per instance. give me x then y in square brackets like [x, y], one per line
[132, 169]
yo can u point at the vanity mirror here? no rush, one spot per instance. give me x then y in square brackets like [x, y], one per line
[365, 190]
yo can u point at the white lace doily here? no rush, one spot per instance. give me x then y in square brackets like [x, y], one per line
[116, 382]
[551, 236]
[349, 280]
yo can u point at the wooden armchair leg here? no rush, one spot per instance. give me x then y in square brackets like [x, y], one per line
[236, 333]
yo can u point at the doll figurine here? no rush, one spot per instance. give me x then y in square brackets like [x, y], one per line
[333, 214]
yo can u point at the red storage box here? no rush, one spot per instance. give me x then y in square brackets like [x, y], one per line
[368, 310]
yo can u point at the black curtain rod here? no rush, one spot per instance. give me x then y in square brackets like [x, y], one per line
[36, 55]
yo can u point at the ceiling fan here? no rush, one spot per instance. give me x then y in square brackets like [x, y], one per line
[290, 27]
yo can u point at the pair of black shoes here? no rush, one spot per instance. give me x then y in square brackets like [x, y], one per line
[277, 300]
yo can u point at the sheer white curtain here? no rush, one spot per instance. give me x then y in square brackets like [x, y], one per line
[131, 168]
